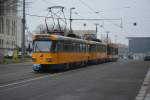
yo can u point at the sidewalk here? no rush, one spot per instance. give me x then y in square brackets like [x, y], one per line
[147, 95]
[17, 61]
[144, 93]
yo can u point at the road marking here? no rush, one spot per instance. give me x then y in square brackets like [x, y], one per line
[37, 78]
[29, 80]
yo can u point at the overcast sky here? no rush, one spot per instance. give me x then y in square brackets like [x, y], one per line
[129, 10]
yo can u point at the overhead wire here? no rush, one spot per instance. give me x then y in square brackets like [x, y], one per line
[34, 15]
[89, 7]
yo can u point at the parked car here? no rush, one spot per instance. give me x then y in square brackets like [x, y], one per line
[147, 58]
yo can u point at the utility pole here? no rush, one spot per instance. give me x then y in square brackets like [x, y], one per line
[23, 31]
[107, 36]
[96, 30]
[71, 19]
[107, 43]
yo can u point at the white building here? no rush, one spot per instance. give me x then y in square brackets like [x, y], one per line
[10, 27]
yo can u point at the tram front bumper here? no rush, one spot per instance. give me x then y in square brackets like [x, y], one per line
[36, 67]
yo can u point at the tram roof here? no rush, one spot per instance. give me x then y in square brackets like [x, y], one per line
[63, 38]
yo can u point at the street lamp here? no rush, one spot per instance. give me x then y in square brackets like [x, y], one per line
[71, 18]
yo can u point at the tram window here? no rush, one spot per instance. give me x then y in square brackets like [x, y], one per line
[98, 48]
[104, 48]
[81, 48]
[54, 47]
[42, 46]
[73, 47]
[60, 46]
[70, 47]
[101, 48]
[78, 46]
[84, 47]
[65, 47]
[92, 48]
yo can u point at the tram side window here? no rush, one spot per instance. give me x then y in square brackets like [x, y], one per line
[54, 47]
[78, 47]
[84, 48]
[70, 47]
[104, 48]
[99, 48]
[96, 48]
[87, 48]
[66, 47]
[81, 47]
[73, 47]
[60, 46]
[109, 50]
[92, 48]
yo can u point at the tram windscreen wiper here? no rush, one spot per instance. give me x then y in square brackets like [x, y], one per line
[36, 47]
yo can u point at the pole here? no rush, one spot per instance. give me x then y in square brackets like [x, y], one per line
[96, 30]
[107, 37]
[71, 19]
[107, 44]
[23, 31]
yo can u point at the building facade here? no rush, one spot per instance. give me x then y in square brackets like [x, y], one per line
[10, 27]
[139, 46]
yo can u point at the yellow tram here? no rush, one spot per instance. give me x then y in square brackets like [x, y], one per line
[60, 52]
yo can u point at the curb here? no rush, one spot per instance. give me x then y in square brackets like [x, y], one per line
[142, 95]
[28, 62]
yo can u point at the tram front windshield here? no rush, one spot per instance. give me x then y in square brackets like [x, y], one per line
[42, 46]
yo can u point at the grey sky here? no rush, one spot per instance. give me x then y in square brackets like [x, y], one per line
[130, 10]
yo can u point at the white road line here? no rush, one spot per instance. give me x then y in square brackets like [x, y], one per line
[37, 78]
[29, 80]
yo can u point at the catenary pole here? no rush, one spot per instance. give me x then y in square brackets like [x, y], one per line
[23, 31]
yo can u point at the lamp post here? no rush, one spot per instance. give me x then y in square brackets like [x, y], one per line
[71, 18]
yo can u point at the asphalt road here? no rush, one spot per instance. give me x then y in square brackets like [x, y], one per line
[110, 81]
